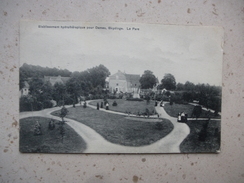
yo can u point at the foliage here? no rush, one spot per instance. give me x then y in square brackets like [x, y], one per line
[47, 104]
[148, 80]
[147, 99]
[97, 75]
[177, 98]
[91, 81]
[161, 97]
[30, 71]
[206, 95]
[64, 111]
[188, 96]
[202, 137]
[73, 88]
[180, 87]
[197, 111]
[170, 101]
[25, 103]
[59, 92]
[114, 103]
[168, 82]
[187, 109]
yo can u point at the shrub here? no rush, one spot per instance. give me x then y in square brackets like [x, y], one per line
[47, 104]
[197, 111]
[161, 97]
[187, 96]
[24, 104]
[178, 99]
[114, 103]
[68, 101]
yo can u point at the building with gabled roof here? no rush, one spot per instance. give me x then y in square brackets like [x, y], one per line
[24, 91]
[122, 82]
[56, 79]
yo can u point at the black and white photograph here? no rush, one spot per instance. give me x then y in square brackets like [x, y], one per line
[119, 88]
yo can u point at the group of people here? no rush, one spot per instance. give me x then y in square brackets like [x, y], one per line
[106, 105]
[182, 117]
[161, 103]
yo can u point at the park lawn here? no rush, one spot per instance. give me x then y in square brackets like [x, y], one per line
[199, 141]
[50, 141]
[120, 130]
[175, 109]
[126, 106]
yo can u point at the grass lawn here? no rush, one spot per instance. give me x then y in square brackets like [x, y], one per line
[200, 140]
[173, 110]
[119, 129]
[51, 140]
[128, 106]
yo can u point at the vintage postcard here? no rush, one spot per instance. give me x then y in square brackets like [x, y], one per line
[119, 88]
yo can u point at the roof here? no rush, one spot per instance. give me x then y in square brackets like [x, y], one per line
[119, 75]
[26, 85]
[56, 79]
[132, 78]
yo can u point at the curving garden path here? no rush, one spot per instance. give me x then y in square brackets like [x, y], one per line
[97, 144]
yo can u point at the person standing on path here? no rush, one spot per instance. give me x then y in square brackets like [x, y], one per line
[107, 106]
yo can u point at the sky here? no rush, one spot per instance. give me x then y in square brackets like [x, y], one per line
[190, 53]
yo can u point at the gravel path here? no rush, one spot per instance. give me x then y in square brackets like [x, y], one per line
[97, 144]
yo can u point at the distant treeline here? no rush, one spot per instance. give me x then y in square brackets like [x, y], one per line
[29, 71]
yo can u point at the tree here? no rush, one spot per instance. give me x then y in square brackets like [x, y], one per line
[29, 71]
[189, 86]
[97, 75]
[197, 111]
[73, 86]
[63, 113]
[59, 93]
[147, 80]
[36, 85]
[168, 82]
[180, 87]
[36, 93]
[188, 96]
